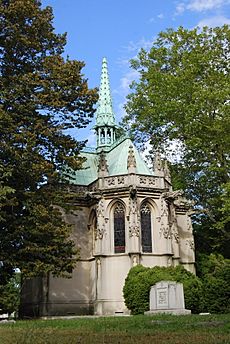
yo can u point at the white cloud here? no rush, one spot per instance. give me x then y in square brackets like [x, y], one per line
[204, 5]
[126, 80]
[200, 5]
[153, 19]
[135, 46]
[123, 62]
[130, 52]
[214, 21]
[180, 8]
[123, 90]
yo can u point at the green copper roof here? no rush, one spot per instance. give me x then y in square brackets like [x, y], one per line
[88, 173]
[117, 163]
[104, 113]
[117, 159]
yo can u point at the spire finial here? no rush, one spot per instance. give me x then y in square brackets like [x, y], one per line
[105, 122]
[105, 115]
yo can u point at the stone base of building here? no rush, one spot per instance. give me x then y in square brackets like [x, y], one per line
[110, 307]
[169, 311]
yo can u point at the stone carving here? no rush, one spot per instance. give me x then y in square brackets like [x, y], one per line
[164, 208]
[131, 160]
[165, 231]
[99, 232]
[183, 202]
[142, 180]
[145, 209]
[121, 180]
[102, 163]
[174, 231]
[157, 164]
[152, 181]
[190, 243]
[172, 195]
[133, 214]
[132, 206]
[92, 187]
[111, 181]
[100, 210]
[189, 222]
[173, 224]
[177, 198]
[134, 231]
[164, 218]
[132, 192]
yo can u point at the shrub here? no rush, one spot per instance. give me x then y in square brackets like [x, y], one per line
[217, 295]
[140, 279]
[215, 272]
[211, 265]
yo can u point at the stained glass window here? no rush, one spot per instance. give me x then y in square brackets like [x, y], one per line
[119, 228]
[146, 228]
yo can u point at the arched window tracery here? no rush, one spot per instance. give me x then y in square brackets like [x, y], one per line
[119, 228]
[146, 228]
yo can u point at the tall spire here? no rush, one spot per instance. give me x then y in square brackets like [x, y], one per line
[105, 120]
[104, 111]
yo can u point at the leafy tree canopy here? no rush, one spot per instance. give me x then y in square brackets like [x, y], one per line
[182, 96]
[42, 95]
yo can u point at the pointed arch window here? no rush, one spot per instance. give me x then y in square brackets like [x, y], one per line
[146, 228]
[119, 228]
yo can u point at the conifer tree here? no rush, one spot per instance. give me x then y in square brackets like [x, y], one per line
[42, 95]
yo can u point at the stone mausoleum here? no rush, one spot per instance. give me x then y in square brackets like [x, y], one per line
[126, 214]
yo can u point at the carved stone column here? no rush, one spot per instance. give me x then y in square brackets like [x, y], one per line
[165, 230]
[134, 221]
[187, 247]
[100, 228]
[174, 233]
[103, 170]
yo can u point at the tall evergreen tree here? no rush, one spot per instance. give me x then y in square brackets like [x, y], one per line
[42, 95]
[182, 96]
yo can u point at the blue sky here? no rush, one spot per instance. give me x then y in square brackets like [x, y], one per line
[117, 29]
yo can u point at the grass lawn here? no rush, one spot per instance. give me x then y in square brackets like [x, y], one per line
[160, 329]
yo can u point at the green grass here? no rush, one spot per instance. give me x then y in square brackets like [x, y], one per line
[160, 329]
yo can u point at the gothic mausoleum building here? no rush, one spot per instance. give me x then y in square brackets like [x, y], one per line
[126, 214]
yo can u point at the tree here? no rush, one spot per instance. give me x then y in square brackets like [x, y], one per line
[214, 271]
[182, 96]
[10, 295]
[42, 95]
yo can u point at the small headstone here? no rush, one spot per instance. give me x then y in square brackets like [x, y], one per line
[167, 297]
